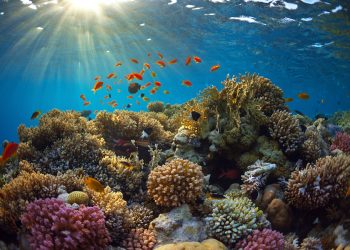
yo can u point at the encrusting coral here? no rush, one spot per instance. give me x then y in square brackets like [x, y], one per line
[139, 239]
[266, 239]
[319, 183]
[176, 182]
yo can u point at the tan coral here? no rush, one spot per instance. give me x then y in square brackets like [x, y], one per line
[141, 215]
[78, 197]
[140, 239]
[176, 182]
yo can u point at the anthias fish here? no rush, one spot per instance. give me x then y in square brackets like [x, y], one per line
[9, 151]
[187, 83]
[196, 59]
[93, 184]
[303, 96]
[188, 60]
[35, 114]
[215, 67]
[97, 86]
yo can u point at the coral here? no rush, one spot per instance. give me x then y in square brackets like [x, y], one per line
[280, 215]
[209, 244]
[272, 191]
[155, 107]
[53, 225]
[141, 215]
[118, 225]
[319, 183]
[311, 243]
[78, 197]
[255, 176]
[342, 119]
[262, 239]
[342, 142]
[285, 128]
[139, 239]
[233, 219]
[176, 182]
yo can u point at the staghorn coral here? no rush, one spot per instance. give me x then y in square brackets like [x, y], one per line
[342, 142]
[233, 219]
[139, 239]
[285, 128]
[78, 197]
[53, 225]
[266, 239]
[155, 107]
[319, 183]
[176, 182]
[141, 215]
[311, 243]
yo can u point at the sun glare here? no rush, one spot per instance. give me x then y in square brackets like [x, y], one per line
[92, 5]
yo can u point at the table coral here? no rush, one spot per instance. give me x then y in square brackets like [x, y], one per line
[176, 182]
[53, 225]
[266, 239]
[139, 239]
[342, 142]
[319, 183]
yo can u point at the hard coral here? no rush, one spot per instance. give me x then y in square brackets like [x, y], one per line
[319, 183]
[342, 142]
[140, 239]
[176, 182]
[155, 107]
[53, 225]
[78, 197]
[209, 244]
[311, 243]
[141, 215]
[285, 128]
[262, 239]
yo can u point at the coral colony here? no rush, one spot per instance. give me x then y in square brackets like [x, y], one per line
[229, 169]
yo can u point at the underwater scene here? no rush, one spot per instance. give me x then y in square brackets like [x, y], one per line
[175, 124]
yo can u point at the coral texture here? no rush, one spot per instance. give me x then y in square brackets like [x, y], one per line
[141, 215]
[53, 225]
[78, 197]
[311, 243]
[280, 215]
[342, 142]
[176, 182]
[140, 239]
[155, 107]
[209, 244]
[319, 183]
[266, 239]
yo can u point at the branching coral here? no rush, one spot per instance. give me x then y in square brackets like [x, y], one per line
[176, 182]
[155, 107]
[140, 239]
[53, 225]
[285, 128]
[342, 142]
[141, 215]
[311, 243]
[266, 239]
[319, 183]
[118, 225]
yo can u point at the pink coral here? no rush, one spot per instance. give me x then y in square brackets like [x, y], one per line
[265, 239]
[54, 225]
[342, 142]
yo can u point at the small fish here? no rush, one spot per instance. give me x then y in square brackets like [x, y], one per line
[85, 113]
[146, 133]
[145, 98]
[288, 99]
[211, 196]
[153, 91]
[303, 96]
[147, 84]
[128, 105]
[119, 90]
[138, 76]
[348, 192]
[97, 86]
[108, 87]
[118, 64]
[35, 115]
[158, 84]
[134, 87]
[229, 174]
[195, 115]
[147, 66]
[196, 59]
[93, 184]
[97, 78]
[142, 72]
[111, 75]
[188, 60]
[109, 95]
[215, 67]
[187, 83]
[322, 101]
[130, 77]
[82, 96]
[10, 150]
[130, 96]
[134, 60]
[173, 61]
[142, 95]
[106, 97]
[299, 112]
[166, 92]
[160, 55]
[137, 102]
[161, 63]
[149, 54]
[153, 74]
[87, 103]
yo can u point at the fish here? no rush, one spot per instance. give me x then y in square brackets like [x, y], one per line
[142, 95]
[108, 87]
[138, 76]
[118, 64]
[153, 91]
[86, 103]
[137, 102]
[288, 99]
[134, 60]
[158, 84]
[161, 63]
[119, 90]
[109, 95]
[188, 60]
[82, 96]
[147, 66]
[196, 59]
[319, 116]
[85, 113]
[160, 55]
[187, 83]
[106, 97]
[173, 61]
[229, 174]
[303, 96]
[97, 78]
[195, 115]
[145, 98]
[147, 84]
[149, 54]
[128, 105]
[299, 112]
[10, 150]
[211, 196]
[134, 87]
[130, 96]
[35, 114]
[98, 85]
[215, 67]
[153, 74]
[110, 75]
[142, 72]
[93, 184]
[146, 133]
[166, 92]
[130, 77]
[348, 192]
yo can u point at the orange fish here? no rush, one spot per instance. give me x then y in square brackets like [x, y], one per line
[147, 84]
[153, 74]
[120, 81]
[98, 85]
[108, 87]
[304, 96]
[188, 60]
[35, 114]
[153, 91]
[197, 59]
[138, 76]
[215, 67]
[158, 84]
[173, 61]
[160, 55]
[119, 90]
[289, 99]
[82, 96]
[149, 54]
[229, 174]
[93, 184]
[118, 64]
[187, 83]
[86, 103]
[9, 151]
[110, 75]
[134, 60]
[166, 92]
[147, 66]
[146, 99]
[129, 77]
[142, 72]
[97, 78]
[161, 63]
[130, 96]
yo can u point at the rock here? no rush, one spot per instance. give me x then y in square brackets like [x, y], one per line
[271, 192]
[178, 226]
[209, 244]
[280, 215]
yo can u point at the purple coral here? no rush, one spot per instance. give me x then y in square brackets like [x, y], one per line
[265, 239]
[342, 142]
[54, 225]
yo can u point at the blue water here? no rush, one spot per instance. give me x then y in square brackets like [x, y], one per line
[50, 52]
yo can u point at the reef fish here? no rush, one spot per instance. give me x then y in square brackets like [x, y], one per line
[195, 115]
[147, 66]
[138, 76]
[118, 64]
[134, 87]
[229, 174]
[134, 60]
[288, 99]
[98, 85]
[303, 96]
[160, 55]
[215, 67]
[161, 63]
[146, 133]
[196, 59]
[9, 151]
[187, 83]
[110, 75]
[85, 113]
[93, 184]
[35, 114]
[173, 61]
[158, 84]
[188, 60]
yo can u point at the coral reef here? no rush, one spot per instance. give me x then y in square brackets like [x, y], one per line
[262, 239]
[209, 244]
[280, 215]
[139, 239]
[311, 243]
[78, 197]
[141, 215]
[342, 119]
[155, 107]
[341, 142]
[176, 182]
[53, 225]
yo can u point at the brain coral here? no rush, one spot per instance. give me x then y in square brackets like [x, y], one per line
[233, 219]
[176, 182]
[78, 197]
[319, 183]
[53, 225]
[266, 239]
[140, 239]
[285, 128]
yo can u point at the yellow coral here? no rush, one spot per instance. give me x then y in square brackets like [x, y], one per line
[209, 244]
[78, 197]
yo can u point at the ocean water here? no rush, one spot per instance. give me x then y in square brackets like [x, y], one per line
[51, 51]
